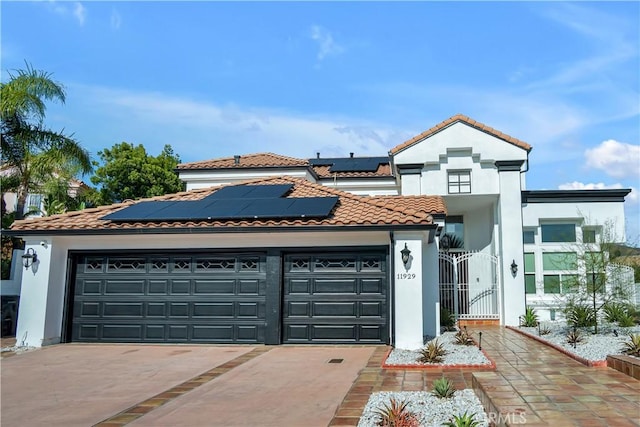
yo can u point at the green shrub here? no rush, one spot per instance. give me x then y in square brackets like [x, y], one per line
[626, 321]
[464, 420]
[632, 347]
[530, 318]
[613, 312]
[443, 388]
[447, 319]
[579, 315]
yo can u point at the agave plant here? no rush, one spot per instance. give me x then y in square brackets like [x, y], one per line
[626, 320]
[530, 318]
[443, 388]
[632, 347]
[464, 420]
[574, 336]
[396, 414]
[463, 337]
[432, 353]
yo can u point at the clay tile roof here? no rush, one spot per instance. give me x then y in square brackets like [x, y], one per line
[255, 160]
[384, 170]
[460, 118]
[351, 210]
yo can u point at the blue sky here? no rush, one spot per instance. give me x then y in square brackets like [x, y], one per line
[216, 79]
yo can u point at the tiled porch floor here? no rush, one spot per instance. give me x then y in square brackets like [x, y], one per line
[534, 383]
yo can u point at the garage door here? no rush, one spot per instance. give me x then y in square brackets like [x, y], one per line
[209, 298]
[335, 298]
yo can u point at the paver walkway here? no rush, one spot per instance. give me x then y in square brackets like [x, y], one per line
[533, 384]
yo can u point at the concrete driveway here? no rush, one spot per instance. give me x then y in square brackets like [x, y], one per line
[177, 385]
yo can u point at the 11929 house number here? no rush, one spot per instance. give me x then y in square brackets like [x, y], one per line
[406, 276]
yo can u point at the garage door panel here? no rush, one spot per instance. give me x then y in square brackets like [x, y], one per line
[334, 286]
[126, 332]
[129, 287]
[159, 287]
[297, 309]
[333, 309]
[127, 310]
[372, 309]
[180, 287]
[298, 286]
[372, 286]
[183, 298]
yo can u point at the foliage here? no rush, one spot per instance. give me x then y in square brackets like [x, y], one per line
[32, 153]
[447, 319]
[574, 336]
[464, 420]
[530, 318]
[613, 312]
[451, 241]
[579, 315]
[632, 347]
[463, 337]
[544, 330]
[128, 172]
[432, 353]
[396, 414]
[627, 320]
[443, 388]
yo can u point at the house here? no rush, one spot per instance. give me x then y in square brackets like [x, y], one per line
[264, 248]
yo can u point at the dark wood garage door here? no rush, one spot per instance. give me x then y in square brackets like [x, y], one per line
[208, 298]
[335, 298]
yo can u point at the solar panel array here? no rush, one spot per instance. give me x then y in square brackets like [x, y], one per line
[228, 203]
[351, 164]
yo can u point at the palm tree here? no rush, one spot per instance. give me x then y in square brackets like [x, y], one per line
[30, 151]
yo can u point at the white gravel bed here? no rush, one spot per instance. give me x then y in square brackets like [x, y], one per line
[456, 354]
[593, 347]
[430, 410]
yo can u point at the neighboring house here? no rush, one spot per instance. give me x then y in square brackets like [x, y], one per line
[264, 248]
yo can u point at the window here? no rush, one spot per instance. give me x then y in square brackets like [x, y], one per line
[454, 228]
[529, 273]
[560, 275]
[560, 283]
[559, 261]
[588, 235]
[459, 182]
[528, 236]
[565, 233]
[34, 203]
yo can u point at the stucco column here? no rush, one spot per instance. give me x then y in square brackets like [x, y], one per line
[42, 295]
[408, 290]
[511, 249]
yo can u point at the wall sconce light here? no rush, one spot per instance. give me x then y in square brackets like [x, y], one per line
[514, 268]
[29, 258]
[406, 254]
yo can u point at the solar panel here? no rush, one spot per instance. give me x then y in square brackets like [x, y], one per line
[351, 164]
[243, 202]
[252, 191]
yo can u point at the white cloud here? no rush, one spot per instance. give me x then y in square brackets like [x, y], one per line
[326, 44]
[79, 12]
[616, 159]
[576, 185]
[218, 130]
[116, 20]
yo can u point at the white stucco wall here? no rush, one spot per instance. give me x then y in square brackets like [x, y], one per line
[408, 301]
[458, 147]
[205, 179]
[533, 214]
[43, 287]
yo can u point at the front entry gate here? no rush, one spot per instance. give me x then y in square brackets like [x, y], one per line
[470, 285]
